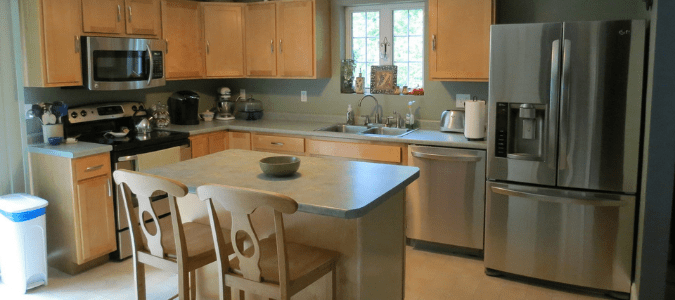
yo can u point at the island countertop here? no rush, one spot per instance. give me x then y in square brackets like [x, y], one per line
[336, 188]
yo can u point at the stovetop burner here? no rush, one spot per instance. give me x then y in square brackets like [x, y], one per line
[132, 140]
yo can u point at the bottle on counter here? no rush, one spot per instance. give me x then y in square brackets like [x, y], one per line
[350, 115]
[359, 88]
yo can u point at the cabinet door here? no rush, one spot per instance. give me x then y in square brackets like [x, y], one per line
[217, 142]
[62, 27]
[94, 207]
[199, 145]
[459, 39]
[182, 31]
[143, 17]
[103, 16]
[260, 35]
[295, 38]
[224, 39]
[239, 140]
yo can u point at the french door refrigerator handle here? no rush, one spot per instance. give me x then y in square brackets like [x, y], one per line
[553, 98]
[467, 158]
[589, 201]
[564, 104]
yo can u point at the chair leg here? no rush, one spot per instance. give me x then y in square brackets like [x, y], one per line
[334, 282]
[236, 294]
[193, 285]
[139, 276]
[183, 284]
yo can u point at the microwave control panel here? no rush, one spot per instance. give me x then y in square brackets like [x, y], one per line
[157, 64]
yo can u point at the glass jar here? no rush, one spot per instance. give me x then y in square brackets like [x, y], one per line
[160, 113]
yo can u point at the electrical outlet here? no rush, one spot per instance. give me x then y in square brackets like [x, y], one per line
[303, 96]
[461, 98]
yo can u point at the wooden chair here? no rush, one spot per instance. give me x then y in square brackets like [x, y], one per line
[272, 267]
[178, 247]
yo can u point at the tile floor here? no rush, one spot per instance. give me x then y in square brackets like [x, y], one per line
[429, 276]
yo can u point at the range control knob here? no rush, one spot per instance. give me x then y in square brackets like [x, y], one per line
[83, 113]
[141, 107]
[73, 114]
[134, 108]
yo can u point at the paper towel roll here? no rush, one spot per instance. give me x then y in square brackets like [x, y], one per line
[474, 119]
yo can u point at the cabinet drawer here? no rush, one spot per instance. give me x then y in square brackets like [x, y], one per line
[278, 143]
[383, 153]
[91, 166]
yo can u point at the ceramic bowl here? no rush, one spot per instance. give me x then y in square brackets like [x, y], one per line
[207, 116]
[55, 141]
[280, 165]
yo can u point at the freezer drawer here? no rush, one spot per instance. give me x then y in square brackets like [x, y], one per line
[446, 204]
[579, 238]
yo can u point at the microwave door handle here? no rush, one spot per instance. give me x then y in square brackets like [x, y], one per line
[152, 63]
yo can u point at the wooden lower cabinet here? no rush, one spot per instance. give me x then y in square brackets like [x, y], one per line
[208, 143]
[80, 216]
[239, 140]
[365, 151]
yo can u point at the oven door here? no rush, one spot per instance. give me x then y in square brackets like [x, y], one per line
[123, 63]
[160, 203]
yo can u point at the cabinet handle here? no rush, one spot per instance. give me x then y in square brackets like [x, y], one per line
[167, 46]
[277, 144]
[94, 168]
[281, 49]
[109, 188]
[208, 46]
[130, 15]
[433, 42]
[77, 44]
[119, 13]
[271, 46]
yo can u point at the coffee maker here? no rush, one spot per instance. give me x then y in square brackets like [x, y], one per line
[225, 106]
[184, 108]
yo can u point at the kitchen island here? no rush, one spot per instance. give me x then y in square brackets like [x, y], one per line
[355, 208]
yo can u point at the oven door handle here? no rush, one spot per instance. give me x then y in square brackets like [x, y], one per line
[127, 158]
[152, 61]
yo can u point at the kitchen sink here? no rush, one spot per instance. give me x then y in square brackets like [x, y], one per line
[354, 129]
[344, 128]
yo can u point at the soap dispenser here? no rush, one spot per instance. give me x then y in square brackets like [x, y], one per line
[359, 88]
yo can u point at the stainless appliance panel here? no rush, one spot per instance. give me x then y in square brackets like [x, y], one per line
[446, 204]
[601, 105]
[579, 238]
[122, 46]
[524, 64]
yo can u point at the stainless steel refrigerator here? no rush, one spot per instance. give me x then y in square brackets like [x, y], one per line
[564, 117]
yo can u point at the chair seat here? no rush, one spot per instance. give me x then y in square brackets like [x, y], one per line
[198, 240]
[302, 260]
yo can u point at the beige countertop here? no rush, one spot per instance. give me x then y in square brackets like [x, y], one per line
[308, 129]
[336, 188]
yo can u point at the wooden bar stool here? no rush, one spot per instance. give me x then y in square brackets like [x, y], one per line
[178, 247]
[271, 267]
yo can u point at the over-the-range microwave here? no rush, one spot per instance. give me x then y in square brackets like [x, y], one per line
[122, 63]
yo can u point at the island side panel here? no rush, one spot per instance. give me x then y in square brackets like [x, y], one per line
[381, 242]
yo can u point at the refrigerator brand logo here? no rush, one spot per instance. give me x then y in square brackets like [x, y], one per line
[624, 32]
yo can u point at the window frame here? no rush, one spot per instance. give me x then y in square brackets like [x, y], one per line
[386, 27]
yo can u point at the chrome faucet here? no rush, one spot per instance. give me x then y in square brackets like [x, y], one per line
[377, 114]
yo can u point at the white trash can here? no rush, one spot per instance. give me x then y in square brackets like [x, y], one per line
[23, 242]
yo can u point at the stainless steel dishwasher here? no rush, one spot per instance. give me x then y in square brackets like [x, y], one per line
[446, 205]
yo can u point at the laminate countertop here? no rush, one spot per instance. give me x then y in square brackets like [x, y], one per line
[309, 129]
[336, 188]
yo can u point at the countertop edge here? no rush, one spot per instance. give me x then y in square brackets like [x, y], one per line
[80, 149]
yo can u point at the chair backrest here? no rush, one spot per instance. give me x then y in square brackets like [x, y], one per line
[143, 186]
[241, 202]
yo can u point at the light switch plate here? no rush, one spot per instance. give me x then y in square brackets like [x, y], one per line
[303, 96]
[460, 98]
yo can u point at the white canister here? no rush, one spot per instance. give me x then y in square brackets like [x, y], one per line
[52, 130]
[474, 119]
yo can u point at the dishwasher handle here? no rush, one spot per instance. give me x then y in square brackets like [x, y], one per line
[466, 158]
[589, 201]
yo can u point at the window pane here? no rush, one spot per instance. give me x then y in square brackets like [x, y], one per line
[416, 49]
[359, 24]
[416, 22]
[402, 75]
[400, 23]
[400, 49]
[373, 47]
[373, 24]
[359, 49]
[416, 75]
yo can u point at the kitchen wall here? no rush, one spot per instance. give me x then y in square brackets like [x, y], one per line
[324, 97]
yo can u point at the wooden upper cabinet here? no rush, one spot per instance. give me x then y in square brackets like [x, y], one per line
[459, 39]
[143, 17]
[260, 36]
[224, 39]
[182, 30]
[103, 16]
[51, 31]
[295, 37]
